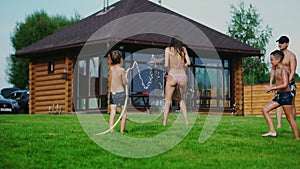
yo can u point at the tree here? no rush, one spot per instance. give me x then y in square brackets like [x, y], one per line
[245, 25]
[36, 27]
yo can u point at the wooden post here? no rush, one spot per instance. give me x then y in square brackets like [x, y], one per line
[70, 86]
[31, 88]
[238, 83]
[108, 83]
[66, 68]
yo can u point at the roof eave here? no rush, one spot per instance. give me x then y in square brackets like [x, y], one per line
[27, 54]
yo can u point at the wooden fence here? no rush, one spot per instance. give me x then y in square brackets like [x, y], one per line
[255, 98]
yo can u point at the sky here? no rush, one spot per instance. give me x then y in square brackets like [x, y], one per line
[281, 16]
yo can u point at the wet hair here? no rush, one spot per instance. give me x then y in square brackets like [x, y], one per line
[116, 56]
[278, 54]
[177, 45]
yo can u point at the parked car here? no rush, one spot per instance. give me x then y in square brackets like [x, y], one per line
[6, 91]
[22, 97]
[8, 106]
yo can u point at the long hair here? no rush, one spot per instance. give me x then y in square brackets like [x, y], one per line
[178, 46]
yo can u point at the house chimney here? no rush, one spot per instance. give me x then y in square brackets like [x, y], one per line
[105, 4]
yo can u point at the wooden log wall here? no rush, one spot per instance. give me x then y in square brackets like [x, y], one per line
[255, 98]
[69, 85]
[51, 93]
[238, 83]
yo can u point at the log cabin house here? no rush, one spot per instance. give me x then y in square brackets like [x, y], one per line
[65, 79]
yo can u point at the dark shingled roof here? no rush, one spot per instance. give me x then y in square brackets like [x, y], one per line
[78, 33]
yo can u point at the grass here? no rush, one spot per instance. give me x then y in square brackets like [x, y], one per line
[59, 141]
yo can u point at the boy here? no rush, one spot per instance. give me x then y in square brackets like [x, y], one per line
[290, 61]
[283, 97]
[117, 91]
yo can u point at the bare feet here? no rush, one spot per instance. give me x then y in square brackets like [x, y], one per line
[186, 123]
[270, 134]
[164, 123]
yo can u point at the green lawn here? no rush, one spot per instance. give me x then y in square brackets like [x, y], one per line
[58, 141]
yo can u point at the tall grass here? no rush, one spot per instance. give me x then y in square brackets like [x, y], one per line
[58, 141]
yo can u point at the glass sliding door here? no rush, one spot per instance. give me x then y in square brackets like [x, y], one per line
[81, 85]
[209, 81]
[212, 78]
[146, 77]
[91, 83]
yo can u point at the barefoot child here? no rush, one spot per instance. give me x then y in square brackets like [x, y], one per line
[283, 97]
[117, 92]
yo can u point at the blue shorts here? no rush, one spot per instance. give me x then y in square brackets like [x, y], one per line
[283, 98]
[117, 98]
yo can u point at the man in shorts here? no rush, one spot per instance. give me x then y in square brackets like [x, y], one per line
[290, 61]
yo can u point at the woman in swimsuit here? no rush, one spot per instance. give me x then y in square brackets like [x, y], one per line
[176, 59]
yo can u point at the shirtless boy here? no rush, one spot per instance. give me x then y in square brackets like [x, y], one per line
[283, 96]
[117, 92]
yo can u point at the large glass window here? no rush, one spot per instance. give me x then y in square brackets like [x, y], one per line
[103, 81]
[146, 76]
[209, 81]
[212, 78]
[91, 81]
[80, 79]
